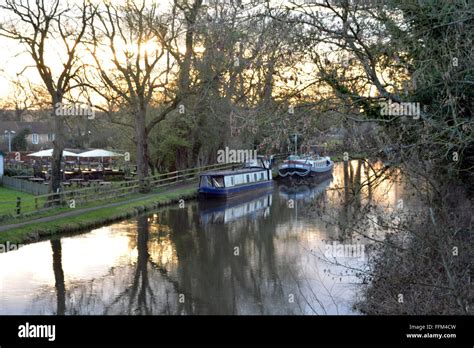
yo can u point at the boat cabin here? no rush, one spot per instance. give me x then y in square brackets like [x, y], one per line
[228, 182]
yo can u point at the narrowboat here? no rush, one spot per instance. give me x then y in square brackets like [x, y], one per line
[305, 167]
[233, 182]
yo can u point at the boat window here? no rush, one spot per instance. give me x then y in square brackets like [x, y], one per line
[248, 178]
[218, 181]
[232, 180]
[261, 176]
[255, 177]
[205, 181]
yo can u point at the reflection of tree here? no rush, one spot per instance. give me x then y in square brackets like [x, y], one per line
[59, 277]
[140, 282]
[354, 205]
[365, 186]
[139, 297]
[227, 283]
[173, 254]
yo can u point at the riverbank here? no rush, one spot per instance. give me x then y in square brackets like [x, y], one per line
[65, 220]
[81, 219]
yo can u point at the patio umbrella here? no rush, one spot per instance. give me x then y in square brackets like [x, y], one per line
[99, 153]
[49, 153]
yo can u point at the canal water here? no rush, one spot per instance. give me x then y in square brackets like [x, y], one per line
[291, 250]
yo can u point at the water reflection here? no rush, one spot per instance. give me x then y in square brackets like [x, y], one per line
[257, 206]
[305, 192]
[59, 277]
[262, 255]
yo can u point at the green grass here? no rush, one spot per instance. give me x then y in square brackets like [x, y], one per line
[8, 199]
[100, 216]
[28, 211]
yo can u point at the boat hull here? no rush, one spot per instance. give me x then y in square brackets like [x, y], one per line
[236, 191]
[303, 172]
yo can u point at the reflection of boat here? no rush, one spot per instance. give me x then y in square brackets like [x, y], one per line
[303, 192]
[305, 167]
[229, 183]
[230, 210]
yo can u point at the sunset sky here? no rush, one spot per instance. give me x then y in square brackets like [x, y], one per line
[16, 60]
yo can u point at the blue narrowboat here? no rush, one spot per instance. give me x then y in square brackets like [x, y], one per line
[233, 182]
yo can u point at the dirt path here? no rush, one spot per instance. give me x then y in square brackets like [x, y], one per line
[77, 212]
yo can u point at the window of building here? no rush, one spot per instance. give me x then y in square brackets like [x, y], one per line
[34, 138]
[51, 137]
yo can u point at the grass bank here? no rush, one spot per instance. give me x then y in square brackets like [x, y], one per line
[94, 218]
[8, 198]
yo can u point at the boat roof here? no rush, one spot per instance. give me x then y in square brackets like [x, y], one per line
[234, 171]
[307, 158]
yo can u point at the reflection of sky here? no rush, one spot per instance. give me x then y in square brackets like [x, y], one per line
[282, 255]
[326, 286]
[29, 270]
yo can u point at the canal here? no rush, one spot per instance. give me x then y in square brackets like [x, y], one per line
[290, 250]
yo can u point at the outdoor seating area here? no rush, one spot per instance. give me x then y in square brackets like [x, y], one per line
[79, 169]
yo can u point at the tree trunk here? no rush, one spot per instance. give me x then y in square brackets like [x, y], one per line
[58, 147]
[142, 151]
[268, 87]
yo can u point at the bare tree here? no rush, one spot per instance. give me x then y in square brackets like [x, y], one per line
[41, 25]
[136, 39]
[24, 97]
[368, 54]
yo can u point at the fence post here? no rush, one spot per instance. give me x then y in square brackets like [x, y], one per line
[18, 205]
[36, 202]
[58, 197]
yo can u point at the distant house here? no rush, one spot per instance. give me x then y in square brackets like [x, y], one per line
[40, 134]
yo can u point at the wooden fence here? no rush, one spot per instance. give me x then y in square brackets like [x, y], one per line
[24, 185]
[39, 203]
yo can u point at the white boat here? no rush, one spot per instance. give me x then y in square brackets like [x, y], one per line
[305, 167]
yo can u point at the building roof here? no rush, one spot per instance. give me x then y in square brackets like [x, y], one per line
[34, 127]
